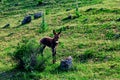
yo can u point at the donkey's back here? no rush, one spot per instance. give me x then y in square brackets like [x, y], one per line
[47, 41]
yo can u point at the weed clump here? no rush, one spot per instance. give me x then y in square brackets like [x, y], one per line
[88, 54]
[110, 35]
[43, 26]
[27, 57]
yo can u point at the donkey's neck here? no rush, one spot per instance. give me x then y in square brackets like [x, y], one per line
[54, 41]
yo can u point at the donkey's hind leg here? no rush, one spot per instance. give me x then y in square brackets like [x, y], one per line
[54, 55]
[42, 49]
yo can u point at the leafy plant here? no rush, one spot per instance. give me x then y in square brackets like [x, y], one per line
[77, 5]
[43, 26]
[77, 9]
[27, 56]
[47, 11]
[88, 54]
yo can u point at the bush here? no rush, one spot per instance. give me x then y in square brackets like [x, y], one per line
[27, 56]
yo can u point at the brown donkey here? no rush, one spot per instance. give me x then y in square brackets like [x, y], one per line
[52, 43]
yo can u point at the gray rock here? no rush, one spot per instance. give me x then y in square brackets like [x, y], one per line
[37, 15]
[16, 4]
[118, 19]
[69, 16]
[10, 34]
[117, 36]
[40, 2]
[89, 9]
[6, 26]
[66, 64]
[26, 19]
[68, 9]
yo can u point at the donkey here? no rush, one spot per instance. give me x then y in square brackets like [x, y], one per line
[52, 43]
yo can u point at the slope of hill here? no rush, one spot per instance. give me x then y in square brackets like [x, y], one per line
[91, 39]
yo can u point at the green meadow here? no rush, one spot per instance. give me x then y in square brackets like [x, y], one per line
[92, 38]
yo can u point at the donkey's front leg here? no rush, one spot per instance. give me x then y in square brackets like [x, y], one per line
[54, 55]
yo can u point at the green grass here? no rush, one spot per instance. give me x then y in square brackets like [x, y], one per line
[89, 39]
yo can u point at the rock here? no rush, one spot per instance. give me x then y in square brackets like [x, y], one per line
[10, 34]
[113, 66]
[117, 36]
[66, 64]
[6, 26]
[118, 19]
[68, 9]
[85, 20]
[37, 15]
[69, 16]
[16, 4]
[40, 2]
[26, 19]
[89, 9]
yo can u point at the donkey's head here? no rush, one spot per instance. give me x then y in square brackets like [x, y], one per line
[56, 35]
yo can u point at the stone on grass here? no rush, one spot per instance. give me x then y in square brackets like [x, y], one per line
[68, 17]
[117, 36]
[16, 4]
[37, 15]
[68, 9]
[118, 19]
[6, 26]
[26, 19]
[66, 64]
[89, 9]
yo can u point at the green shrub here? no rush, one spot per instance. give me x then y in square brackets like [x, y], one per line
[88, 54]
[77, 9]
[27, 56]
[77, 14]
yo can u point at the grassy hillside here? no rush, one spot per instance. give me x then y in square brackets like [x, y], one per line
[93, 39]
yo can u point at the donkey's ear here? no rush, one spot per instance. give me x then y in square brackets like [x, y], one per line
[60, 31]
[54, 32]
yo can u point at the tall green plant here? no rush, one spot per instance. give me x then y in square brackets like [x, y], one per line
[43, 26]
[77, 9]
[76, 5]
